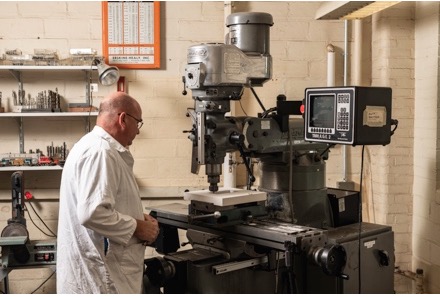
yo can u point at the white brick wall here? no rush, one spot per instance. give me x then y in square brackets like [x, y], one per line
[426, 225]
[298, 47]
[392, 57]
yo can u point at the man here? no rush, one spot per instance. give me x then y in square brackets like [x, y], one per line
[102, 230]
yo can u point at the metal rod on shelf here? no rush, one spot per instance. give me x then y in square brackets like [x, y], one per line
[21, 134]
[88, 79]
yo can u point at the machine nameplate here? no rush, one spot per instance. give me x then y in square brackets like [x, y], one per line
[369, 244]
[341, 204]
[232, 63]
[265, 125]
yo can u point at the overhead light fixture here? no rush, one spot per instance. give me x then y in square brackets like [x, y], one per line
[351, 10]
[107, 75]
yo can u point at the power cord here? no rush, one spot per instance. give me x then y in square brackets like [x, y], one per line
[360, 218]
[43, 282]
[258, 99]
[42, 221]
[326, 150]
[395, 123]
[242, 109]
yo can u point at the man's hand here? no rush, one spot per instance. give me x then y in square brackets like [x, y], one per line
[147, 229]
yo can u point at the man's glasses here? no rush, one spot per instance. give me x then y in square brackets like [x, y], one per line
[140, 123]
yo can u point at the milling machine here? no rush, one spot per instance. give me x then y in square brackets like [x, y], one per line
[293, 234]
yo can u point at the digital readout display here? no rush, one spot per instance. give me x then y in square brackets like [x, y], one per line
[322, 111]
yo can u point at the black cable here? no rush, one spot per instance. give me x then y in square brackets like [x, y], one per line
[258, 99]
[326, 150]
[394, 122]
[266, 113]
[53, 234]
[242, 109]
[290, 197]
[292, 285]
[43, 282]
[360, 220]
[277, 272]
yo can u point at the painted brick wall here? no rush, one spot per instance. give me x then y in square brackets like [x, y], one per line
[426, 224]
[392, 166]
[161, 151]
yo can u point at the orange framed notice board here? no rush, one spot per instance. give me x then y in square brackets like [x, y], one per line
[131, 34]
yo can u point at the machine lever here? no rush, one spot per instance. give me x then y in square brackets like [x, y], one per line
[246, 163]
[344, 276]
[216, 215]
[184, 92]
[238, 139]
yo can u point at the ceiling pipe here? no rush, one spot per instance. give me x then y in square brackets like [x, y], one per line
[331, 69]
[357, 53]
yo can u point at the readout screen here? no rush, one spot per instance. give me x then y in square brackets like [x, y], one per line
[322, 111]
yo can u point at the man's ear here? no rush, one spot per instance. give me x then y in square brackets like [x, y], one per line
[121, 120]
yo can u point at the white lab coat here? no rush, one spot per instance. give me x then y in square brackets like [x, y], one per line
[99, 198]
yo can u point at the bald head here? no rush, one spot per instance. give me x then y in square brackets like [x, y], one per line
[117, 115]
[117, 102]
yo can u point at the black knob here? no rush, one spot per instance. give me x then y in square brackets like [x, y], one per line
[236, 138]
[331, 258]
[159, 271]
[281, 97]
[384, 258]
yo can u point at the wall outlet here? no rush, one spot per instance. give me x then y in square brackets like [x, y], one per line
[94, 87]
